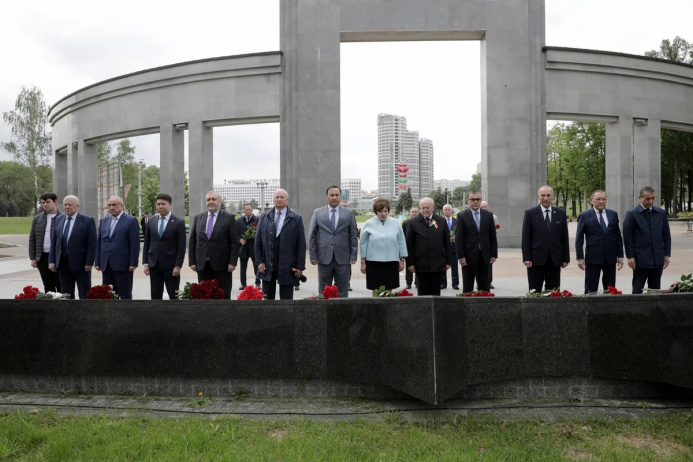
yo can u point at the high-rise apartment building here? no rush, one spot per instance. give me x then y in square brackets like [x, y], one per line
[351, 189]
[404, 161]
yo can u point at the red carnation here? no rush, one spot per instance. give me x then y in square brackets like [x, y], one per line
[497, 226]
[404, 293]
[566, 293]
[330, 292]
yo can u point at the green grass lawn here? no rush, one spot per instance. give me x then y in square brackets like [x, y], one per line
[39, 437]
[15, 225]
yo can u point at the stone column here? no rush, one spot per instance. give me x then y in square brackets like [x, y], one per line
[87, 160]
[60, 175]
[310, 117]
[72, 168]
[619, 165]
[647, 156]
[172, 161]
[200, 163]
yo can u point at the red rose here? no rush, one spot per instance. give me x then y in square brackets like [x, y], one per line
[497, 226]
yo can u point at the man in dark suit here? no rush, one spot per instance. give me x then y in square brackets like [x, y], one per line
[214, 244]
[247, 221]
[477, 246]
[280, 248]
[428, 246]
[604, 252]
[164, 249]
[333, 242]
[73, 247]
[408, 275]
[118, 248]
[647, 240]
[40, 241]
[451, 223]
[144, 221]
[545, 243]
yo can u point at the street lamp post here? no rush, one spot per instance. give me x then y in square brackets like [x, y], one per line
[262, 184]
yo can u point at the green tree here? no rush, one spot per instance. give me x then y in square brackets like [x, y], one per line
[104, 152]
[404, 203]
[16, 194]
[677, 147]
[30, 143]
[438, 200]
[458, 195]
[151, 187]
[475, 184]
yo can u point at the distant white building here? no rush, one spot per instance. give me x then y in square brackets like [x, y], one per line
[351, 189]
[242, 191]
[450, 185]
[404, 161]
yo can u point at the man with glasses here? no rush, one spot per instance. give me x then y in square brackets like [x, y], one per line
[647, 240]
[476, 243]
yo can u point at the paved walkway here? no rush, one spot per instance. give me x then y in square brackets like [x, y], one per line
[510, 275]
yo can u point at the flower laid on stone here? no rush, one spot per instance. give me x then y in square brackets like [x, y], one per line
[383, 292]
[548, 293]
[103, 292]
[476, 293]
[613, 290]
[251, 293]
[28, 293]
[327, 293]
[684, 285]
[205, 290]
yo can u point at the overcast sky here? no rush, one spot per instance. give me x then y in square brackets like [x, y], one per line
[63, 46]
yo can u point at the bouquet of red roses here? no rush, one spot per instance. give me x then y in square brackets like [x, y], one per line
[249, 233]
[251, 293]
[28, 293]
[327, 293]
[477, 293]
[103, 292]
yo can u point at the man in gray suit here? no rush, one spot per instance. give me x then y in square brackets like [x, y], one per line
[333, 242]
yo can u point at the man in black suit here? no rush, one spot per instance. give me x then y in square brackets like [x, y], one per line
[545, 245]
[245, 222]
[408, 275]
[476, 243]
[214, 243]
[144, 221]
[73, 248]
[604, 252]
[164, 249]
[428, 246]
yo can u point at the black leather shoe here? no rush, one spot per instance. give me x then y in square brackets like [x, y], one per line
[443, 286]
[257, 283]
[297, 288]
[350, 289]
[241, 288]
[456, 287]
[408, 286]
[491, 286]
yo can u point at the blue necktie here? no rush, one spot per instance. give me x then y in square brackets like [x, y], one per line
[334, 219]
[66, 235]
[601, 221]
[161, 226]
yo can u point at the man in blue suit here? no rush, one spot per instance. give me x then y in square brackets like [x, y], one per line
[332, 236]
[545, 243]
[280, 248]
[647, 240]
[118, 248]
[604, 251]
[164, 249]
[73, 246]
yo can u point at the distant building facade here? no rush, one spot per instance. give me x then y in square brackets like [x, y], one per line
[400, 149]
[450, 185]
[242, 191]
[351, 189]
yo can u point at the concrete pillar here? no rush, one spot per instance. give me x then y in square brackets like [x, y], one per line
[310, 114]
[72, 168]
[60, 175]
[87, 159]
[647, 156]
[172, 162]
[619, 165]
[200, 163]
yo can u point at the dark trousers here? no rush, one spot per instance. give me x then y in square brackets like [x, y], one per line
[50, 279]
[286, 291]
[68, 279]
[478, 271]
[454, 275]
[120, 280]
[653, 277]
[159, 277]
[547, 275]
[223, 277]
[592, 272]
[428, 283]
[244, 269]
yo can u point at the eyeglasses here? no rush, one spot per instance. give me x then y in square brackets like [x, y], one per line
[473, 199]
